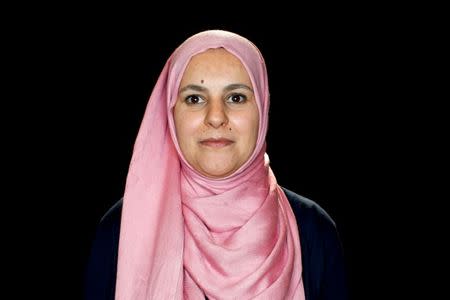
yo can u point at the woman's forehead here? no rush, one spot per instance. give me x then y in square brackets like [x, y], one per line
[216, 64]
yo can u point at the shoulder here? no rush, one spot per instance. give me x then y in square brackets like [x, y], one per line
[318, 232]
[322, 253]
[308, 212]
[109, 224]
[101, 266]
[112, 215]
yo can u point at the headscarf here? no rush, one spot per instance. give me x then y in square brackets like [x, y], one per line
[186, 236]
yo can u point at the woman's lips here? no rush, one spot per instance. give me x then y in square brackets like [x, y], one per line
[216, 143]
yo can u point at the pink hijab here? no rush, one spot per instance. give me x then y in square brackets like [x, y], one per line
[186, 236]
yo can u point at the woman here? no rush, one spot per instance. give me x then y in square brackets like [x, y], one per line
[202, 214]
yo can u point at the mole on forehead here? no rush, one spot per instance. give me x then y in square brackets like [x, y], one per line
[201, 81]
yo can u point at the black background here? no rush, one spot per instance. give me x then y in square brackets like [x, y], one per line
[337, 129]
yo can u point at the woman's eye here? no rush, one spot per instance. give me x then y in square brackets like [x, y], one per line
[237, 98]
[193, 99]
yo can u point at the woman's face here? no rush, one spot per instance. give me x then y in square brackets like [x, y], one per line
[216, 115]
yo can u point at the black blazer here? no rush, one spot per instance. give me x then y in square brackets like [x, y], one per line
[324, 275]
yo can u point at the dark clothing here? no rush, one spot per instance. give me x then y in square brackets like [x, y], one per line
[324, 276]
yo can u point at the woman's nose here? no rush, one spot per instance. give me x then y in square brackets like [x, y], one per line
[216, 115]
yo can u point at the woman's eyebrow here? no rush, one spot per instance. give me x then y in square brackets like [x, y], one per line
[230, 87]
[236, 86]
[194, 87]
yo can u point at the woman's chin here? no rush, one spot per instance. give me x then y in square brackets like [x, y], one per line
[217, 171]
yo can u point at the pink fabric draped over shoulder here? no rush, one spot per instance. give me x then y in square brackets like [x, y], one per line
[187, 236]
